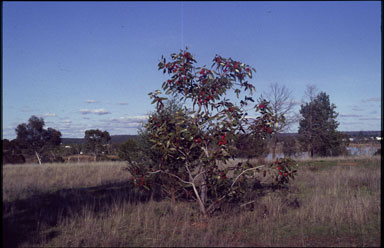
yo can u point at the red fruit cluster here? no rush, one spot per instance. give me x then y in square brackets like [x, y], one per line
[172, 67]
[198, 140]
[222, 140]
[203, 97]
[188, 56]
[223, 176]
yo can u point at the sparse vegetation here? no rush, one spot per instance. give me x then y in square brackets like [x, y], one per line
[333, 202]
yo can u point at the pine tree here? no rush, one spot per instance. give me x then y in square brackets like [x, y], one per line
[317, 129]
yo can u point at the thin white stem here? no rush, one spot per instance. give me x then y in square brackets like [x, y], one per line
[201, 173]
[171, 175]
[255, 168]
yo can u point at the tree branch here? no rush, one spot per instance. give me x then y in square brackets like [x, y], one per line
[255, 168]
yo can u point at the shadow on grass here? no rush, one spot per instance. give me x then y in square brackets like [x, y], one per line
[22, 219]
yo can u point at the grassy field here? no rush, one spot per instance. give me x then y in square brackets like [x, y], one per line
[333, 202]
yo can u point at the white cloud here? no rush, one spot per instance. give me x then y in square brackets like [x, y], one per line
[357, 108]
[370, 119]
[129, 119]
[91, 101]
[85, 111]
[372, 99]
[122, 103]
[94, 111]
[349, 115]
[49, 115]
[100, 111]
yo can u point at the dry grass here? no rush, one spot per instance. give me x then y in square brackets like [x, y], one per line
[21, 181]
[330, 204]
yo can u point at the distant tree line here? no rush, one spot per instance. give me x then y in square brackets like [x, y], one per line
[317, 135]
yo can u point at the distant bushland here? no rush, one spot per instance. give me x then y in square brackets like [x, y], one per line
[115, 139]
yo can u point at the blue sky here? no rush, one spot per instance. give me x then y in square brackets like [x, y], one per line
[88, 65]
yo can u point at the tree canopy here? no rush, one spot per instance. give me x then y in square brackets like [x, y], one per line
[318, 127]
[95, 140]
[34, 139]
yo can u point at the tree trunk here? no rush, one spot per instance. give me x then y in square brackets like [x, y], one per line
[38, 158]
[204, 190]
[274, 145]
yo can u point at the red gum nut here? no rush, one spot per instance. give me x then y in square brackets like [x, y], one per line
[280, 173]
[285, 174]
[279, 168]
